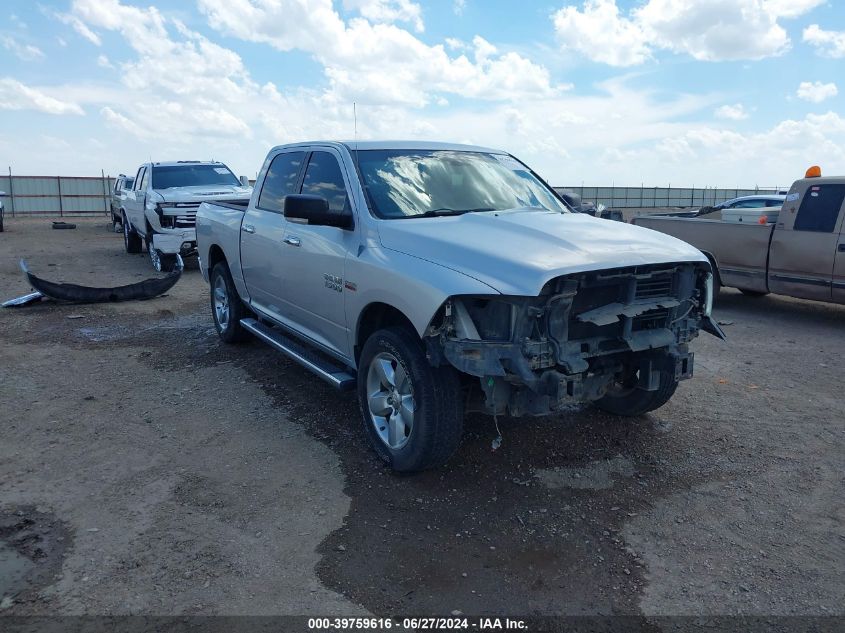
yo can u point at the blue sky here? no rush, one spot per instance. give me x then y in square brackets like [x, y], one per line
[688, 92]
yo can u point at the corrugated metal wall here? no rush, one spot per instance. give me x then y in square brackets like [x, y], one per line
[39, 195]
[56, 195]
[650, 197]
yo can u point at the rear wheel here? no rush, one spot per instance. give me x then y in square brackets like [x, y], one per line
[131, 240]
[632, 401]
[412, 412]
[226, 307]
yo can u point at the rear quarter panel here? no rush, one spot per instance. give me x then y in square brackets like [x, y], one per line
[221, 226]
[740, 251]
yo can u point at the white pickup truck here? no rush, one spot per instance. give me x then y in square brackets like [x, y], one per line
[438, 278]
[160, 207]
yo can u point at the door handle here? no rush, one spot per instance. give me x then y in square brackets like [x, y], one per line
[248, 228]
[292, 240]
[842, 247]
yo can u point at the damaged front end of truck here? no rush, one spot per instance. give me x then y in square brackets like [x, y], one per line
[586, 335]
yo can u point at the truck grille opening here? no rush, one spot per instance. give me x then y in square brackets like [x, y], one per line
[655, 287]
[651, 320]
[621, 287]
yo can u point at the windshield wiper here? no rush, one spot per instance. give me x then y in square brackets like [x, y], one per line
[445, 211]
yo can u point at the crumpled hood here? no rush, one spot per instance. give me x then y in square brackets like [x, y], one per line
[204, 193]
[516, 252]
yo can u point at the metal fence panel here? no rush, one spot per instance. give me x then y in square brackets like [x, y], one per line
[650, 197]
[56, 195]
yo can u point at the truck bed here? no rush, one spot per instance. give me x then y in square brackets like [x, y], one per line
[236, 205]
[740, 252]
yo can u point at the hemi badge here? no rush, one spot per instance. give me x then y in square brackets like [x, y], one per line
[350, 286]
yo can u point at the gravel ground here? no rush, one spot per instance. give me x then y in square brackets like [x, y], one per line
[146, 468]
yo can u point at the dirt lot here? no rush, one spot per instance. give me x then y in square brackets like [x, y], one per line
[146, 468]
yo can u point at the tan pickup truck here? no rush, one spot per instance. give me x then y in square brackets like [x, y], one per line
[798, 251]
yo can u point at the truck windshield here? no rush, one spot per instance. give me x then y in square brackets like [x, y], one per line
[167, 176]
[425, 183]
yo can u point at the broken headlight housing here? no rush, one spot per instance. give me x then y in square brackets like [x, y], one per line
[708, 294]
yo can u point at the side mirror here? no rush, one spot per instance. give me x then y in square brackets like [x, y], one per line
[315, 210]
[244, 181]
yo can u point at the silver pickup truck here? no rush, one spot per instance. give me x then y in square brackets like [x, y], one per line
[438, 278]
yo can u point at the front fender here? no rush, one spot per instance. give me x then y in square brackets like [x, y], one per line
[414, 286]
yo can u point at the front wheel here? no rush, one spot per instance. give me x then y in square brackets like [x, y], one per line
[632, 401]
[412, 412]
[226, 307]
[162, 262]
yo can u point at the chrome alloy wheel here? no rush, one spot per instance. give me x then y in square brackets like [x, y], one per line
[155, 257]
[390, 400]
[221, 302]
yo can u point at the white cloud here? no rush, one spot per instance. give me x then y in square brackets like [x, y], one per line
[388, 11]
[707, 30]
[182, 84]
[24, 52]
[459, 6]
[826, 43]
[103, 62]
[377, 63]
[791, 8]
[816, 91]
[601, 34]
[735, 112]
[781, 153]
[79, 26]
[16, 96]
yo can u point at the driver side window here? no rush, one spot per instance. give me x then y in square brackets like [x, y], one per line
[324, 178]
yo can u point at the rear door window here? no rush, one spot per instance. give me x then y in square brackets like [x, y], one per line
[820, 208]
[324, 178]
[281, 181]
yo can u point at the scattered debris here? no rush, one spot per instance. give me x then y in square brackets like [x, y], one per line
[63, 225]
[726, 322]
[23, 300]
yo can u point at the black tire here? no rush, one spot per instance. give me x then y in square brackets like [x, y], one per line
[231, 331]
[753, 293]
[131, 240]
[1, 220]
[438, 407]
[633, 402]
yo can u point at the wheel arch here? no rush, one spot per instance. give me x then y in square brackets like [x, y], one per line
[714, 265]
[376, 316]
[215, 256]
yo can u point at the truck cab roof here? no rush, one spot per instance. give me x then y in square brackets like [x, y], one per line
[391, 145]
[178, 163]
